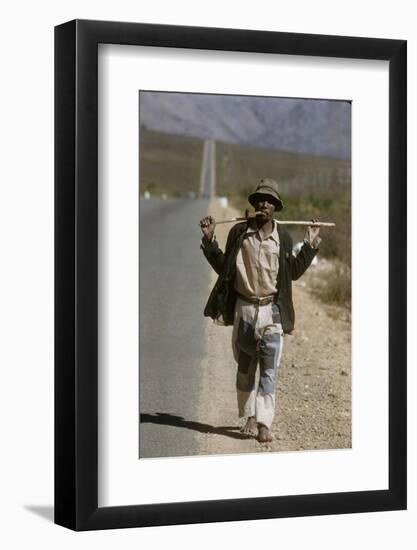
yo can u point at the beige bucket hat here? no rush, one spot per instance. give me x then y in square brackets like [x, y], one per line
[267, 186]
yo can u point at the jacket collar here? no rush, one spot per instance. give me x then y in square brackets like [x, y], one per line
[280, 230]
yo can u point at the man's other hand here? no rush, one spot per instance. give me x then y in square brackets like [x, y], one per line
[208, 225]
[312, 234]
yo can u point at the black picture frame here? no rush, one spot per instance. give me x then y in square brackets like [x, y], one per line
[76, 273]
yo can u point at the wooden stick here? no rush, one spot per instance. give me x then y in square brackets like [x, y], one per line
[311, 224]
[234, 220]
[281, 222]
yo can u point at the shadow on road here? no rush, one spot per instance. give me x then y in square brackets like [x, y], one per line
[179, 422]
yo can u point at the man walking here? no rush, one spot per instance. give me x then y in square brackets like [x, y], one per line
[254, 294]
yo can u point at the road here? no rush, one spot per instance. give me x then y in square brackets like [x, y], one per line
[208, 170]
[173, 286]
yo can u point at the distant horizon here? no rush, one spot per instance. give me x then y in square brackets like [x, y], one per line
[318, 127]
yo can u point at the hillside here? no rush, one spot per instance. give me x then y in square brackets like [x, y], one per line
[289, 124]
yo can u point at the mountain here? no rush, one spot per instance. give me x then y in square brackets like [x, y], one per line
[312, 126]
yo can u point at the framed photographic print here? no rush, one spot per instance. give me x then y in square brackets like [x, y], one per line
[230, 252]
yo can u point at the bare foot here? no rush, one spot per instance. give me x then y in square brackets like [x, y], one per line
[250, 427]
[264, 435]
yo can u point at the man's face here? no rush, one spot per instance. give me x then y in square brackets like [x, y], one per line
[265, 206]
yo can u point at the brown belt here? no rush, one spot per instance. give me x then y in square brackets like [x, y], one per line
[257, 301]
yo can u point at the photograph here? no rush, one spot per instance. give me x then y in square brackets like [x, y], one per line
[244, 274]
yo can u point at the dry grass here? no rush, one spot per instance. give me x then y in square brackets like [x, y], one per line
[331, 282]
[169, 164]
[239, 167]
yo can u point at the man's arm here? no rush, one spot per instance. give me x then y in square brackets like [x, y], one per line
[214, 255]
[209, 245]
[306, 255]
[302, 261]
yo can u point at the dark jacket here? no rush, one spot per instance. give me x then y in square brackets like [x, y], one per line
[222, 299]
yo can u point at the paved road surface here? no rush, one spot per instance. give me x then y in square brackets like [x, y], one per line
[174, 281]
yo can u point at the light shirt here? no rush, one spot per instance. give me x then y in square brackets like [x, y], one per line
[257, 263]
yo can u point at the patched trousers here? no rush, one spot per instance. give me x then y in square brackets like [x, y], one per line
[257, 339]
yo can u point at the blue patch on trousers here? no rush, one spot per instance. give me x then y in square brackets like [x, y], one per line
[269, 346]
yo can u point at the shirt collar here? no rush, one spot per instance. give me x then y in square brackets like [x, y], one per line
[252, 228]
